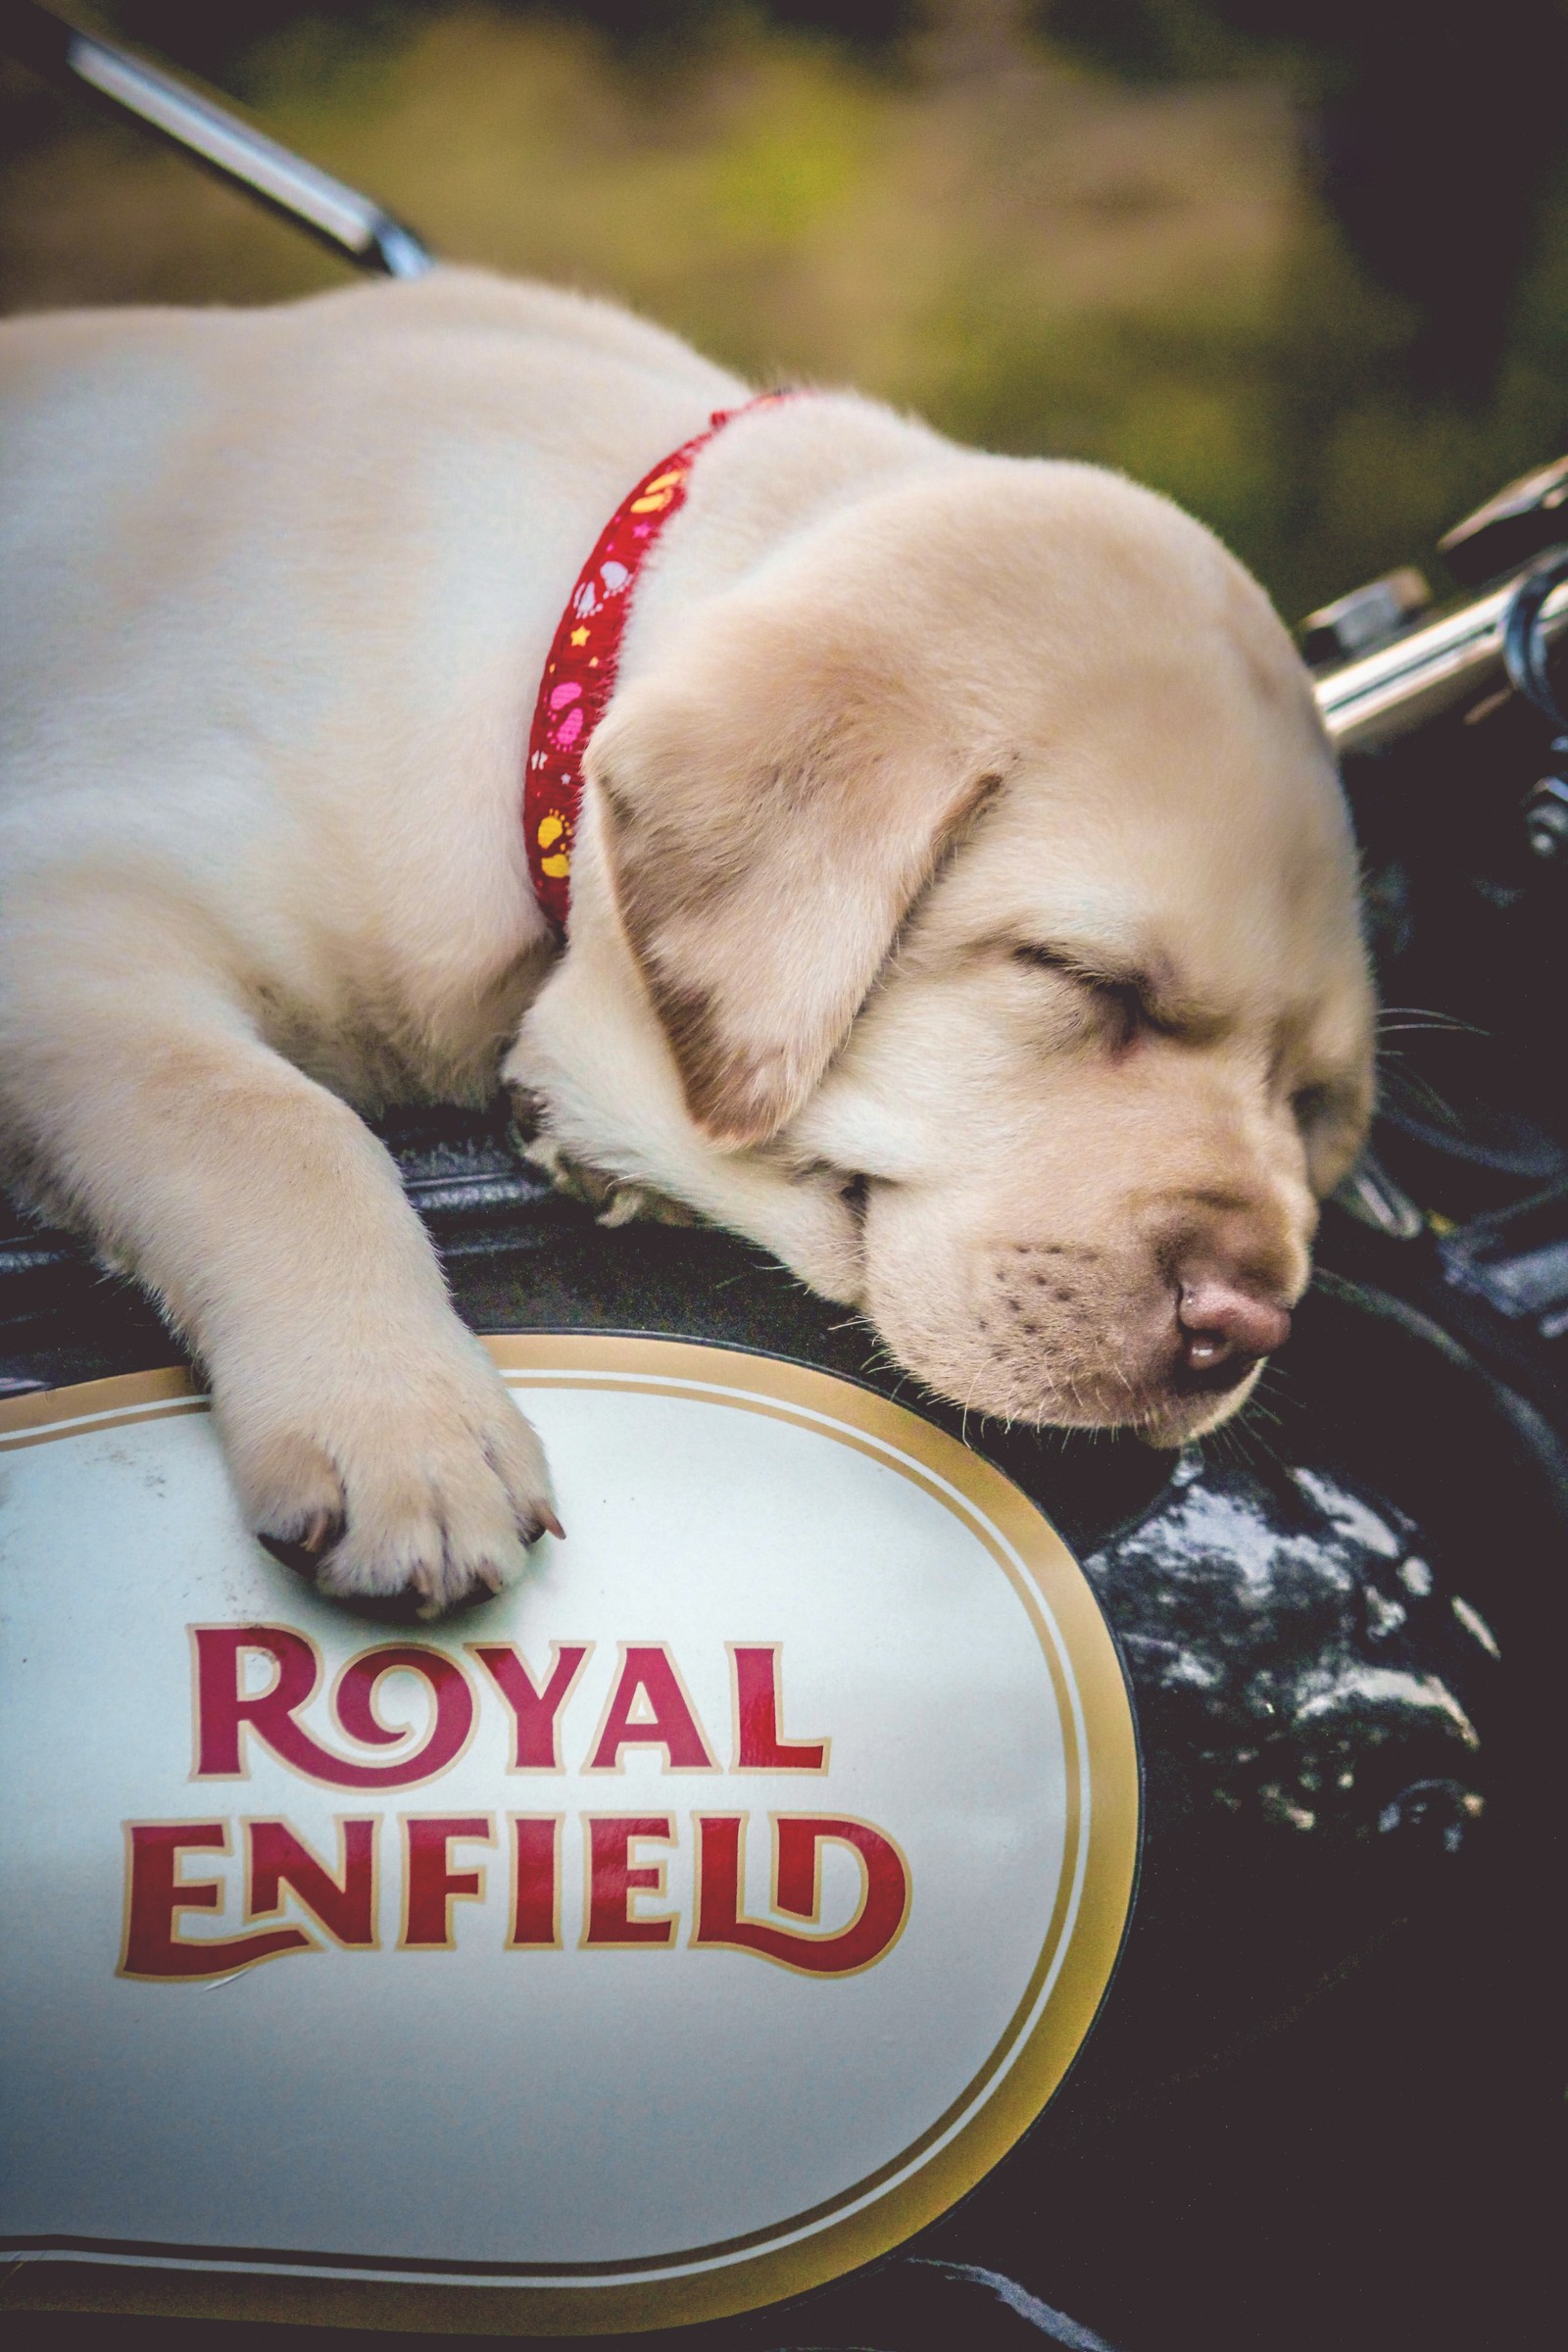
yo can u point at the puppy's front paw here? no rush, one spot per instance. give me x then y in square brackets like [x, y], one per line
[613, 1200]
[416, 1477]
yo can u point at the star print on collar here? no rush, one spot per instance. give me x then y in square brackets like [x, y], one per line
[580, 673]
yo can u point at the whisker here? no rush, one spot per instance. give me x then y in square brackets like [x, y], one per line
[1427, 1016]
[1442, 1028]
[1416, 1083]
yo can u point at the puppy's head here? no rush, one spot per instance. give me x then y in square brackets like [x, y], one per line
[986, 867]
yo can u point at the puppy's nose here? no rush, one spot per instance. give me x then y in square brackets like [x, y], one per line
[1225, 1329]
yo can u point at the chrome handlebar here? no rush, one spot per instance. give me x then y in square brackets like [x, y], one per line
[355, 228]
[1457, 656]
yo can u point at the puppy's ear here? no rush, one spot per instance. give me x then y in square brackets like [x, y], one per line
[768, 824]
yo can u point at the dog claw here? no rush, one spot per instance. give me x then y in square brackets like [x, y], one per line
[549, 1525]
[317, 1532]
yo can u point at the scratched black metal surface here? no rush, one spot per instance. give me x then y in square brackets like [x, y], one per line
[1339, 1624]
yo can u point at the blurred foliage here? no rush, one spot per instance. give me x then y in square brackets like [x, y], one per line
[1146, 231]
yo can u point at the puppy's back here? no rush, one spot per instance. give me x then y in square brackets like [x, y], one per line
[276, 590]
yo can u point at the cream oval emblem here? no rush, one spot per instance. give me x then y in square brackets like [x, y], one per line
[668, 1937]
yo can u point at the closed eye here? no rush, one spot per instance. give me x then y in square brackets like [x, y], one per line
[1331, 1118]
[1120, 999]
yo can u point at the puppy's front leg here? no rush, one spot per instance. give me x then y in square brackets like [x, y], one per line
[359, 1417]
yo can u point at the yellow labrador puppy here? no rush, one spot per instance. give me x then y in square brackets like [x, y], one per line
[964, 904]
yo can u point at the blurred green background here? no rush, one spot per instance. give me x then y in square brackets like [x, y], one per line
[1303, 264]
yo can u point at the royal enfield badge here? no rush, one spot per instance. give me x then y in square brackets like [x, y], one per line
[669, 1935]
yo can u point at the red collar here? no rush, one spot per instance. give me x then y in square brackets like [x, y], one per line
[580, 673]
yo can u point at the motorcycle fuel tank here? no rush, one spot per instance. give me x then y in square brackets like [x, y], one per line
[720, 1918]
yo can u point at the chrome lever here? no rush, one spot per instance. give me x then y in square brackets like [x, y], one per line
[351, 225]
